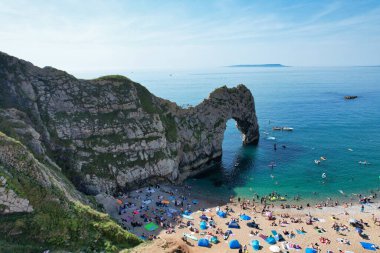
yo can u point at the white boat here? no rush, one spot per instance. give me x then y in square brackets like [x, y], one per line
[287, 128]
[323, 158]
[271, 138]
[317, 161]
[364, 163]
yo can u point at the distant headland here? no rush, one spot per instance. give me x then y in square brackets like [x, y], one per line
[272, 65]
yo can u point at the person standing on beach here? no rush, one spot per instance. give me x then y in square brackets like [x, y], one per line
[362, 209]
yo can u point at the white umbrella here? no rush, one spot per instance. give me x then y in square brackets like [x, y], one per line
[274, 248]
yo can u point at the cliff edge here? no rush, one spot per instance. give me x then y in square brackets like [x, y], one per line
[111, 133]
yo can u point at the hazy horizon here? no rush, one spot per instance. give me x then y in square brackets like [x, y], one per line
[112, 36]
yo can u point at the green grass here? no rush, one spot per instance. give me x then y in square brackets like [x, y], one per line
[56, 223]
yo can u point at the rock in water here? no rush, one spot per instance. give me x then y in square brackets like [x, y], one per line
[111, 133]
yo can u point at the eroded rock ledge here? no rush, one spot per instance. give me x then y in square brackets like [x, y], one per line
[110, 133]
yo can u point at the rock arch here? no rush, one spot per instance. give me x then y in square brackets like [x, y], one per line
[202, 136]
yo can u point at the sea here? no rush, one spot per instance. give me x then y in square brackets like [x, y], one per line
[308, 99]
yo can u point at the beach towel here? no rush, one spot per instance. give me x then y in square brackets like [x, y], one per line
[300, 232]
[368, 246]
[264, 237]
[187, 217]
[192, 237]
[151, 226]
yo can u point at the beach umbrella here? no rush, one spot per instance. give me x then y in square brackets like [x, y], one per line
[245, 217]
[136, 212]
[274, 248]
[203, 242]
[268, 214]
[234, 244]
[165, 202]
[310, 250]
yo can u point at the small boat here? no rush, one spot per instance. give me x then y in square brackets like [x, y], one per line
[287, 128]
[271, 138]
[317, 162]
[277, 128]
[364, 163]
[272, 165]
[323, 175]
[350, 149]
[323, 158]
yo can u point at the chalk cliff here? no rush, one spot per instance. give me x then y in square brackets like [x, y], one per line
[111, 133]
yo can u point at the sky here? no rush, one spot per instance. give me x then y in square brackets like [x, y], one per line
[80, 36]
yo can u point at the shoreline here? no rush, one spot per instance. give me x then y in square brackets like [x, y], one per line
[141, 208]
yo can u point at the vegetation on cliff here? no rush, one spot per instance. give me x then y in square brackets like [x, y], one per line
[59, 220]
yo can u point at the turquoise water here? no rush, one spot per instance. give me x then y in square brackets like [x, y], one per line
[308, 99]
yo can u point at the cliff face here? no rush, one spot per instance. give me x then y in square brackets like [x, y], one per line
[110, 133]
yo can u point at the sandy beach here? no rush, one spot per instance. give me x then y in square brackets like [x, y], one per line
[330, 228]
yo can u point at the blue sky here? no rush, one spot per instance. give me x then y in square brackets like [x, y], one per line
[81, 36]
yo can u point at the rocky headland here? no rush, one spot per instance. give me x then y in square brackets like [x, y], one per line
[63, 139]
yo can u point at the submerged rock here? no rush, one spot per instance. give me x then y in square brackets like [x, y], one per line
[111, 133]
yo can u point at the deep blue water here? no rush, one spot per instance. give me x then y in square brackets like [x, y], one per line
[308, 99]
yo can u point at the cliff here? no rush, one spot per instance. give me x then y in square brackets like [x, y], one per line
[111, 133]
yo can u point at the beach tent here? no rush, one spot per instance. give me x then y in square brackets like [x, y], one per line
[222, 214]
[310, 250]
[274, 248]
[203, 225]
[203, 217]
[245, 217]
[233, 224]
[255, 244]
[151, 226]
[368, 246]
[203, 242]
[270, 240]
[234, 244]
[214, 239]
